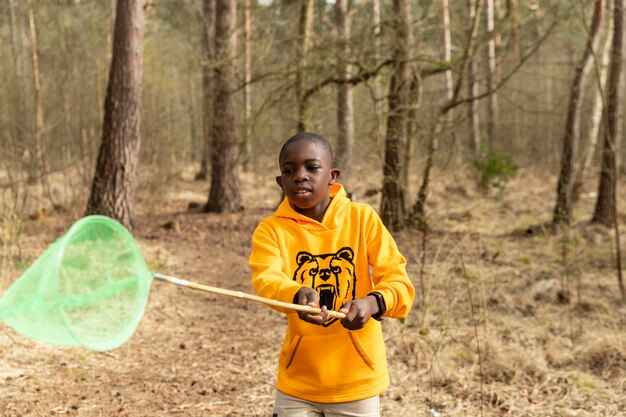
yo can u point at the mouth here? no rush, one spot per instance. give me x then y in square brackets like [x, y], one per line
[302, 193]
[327, 295]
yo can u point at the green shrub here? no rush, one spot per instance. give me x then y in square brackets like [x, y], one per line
[494, 168]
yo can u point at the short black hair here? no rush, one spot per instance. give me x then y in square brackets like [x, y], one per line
[309, 137]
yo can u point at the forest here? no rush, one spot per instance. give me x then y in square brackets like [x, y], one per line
[487, 134]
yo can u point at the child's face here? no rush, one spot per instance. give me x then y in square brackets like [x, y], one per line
[306, 172]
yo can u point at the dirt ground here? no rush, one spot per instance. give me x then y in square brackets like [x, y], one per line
[508, 321]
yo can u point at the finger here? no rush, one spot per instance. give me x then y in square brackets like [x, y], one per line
[345, 308]
[315, 319]
[302, 298]
[314, 298]
[355, 323]
[347, 320]
[311, 317]
[325, 314]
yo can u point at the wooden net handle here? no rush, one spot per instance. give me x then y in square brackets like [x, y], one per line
[245, 296]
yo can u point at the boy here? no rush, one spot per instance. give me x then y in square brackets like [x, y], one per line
[318, 249]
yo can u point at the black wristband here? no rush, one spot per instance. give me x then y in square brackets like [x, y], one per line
[382, 307]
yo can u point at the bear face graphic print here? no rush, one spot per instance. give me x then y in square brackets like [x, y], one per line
[331, 275]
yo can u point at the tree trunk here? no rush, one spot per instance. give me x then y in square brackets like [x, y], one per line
[516, 118]
[208, 85]
[449, 82]
[513, 6]
[472, 89]
[605, 210]
[307, 12]
[447, 49]
[191, 144]
[418, 211]
[564, 202]
[492, 109]
[41, 156]
[392, 204]
[595, 120]
[14, 45]
[378, 86]
[64, 91]
[345, 104]
[247, 90]
[224, 194]
[115, 181]
[17, 125]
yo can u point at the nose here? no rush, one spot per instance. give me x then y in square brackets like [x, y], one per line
[301, 175]
[325, 274]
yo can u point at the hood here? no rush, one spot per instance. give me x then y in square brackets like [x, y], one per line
[335, 213]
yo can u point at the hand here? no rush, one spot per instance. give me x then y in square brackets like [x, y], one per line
[358, 312]
[310, 297]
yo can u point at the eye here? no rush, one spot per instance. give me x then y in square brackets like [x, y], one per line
[288, 171]
[314, 272]
[314, 168]
[336, 269]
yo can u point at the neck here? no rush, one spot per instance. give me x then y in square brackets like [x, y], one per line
[317, 212]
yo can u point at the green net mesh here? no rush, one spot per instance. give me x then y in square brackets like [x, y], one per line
[89, 288]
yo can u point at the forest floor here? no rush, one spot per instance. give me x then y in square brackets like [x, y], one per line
[508, 320]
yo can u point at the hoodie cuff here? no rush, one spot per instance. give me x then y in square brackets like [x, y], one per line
[287, 294]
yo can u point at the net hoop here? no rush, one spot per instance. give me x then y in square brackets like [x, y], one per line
[82, 297]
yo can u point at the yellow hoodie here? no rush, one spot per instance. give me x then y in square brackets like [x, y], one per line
[346, 256]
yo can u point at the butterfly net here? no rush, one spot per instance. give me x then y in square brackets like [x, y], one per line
[89, 288]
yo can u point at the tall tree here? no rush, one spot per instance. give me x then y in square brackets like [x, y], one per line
[447, 49]
[392, 203]
[17, 73]
[115, 181]
[247, 89]
[492, 108]
[378, 85]
[605, 210]
[208, 85]
[472, 88]
[513, 6]
[564, 202]
[224, 194]
[515, 95]
[449, 83]
[345, 104]
[307, 12]
[41, 155]
[592, 132]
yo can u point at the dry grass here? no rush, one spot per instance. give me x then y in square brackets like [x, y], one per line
[510, 323]
[514, 323]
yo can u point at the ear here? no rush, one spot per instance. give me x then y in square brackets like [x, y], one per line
[279, 181]
[303, 257]
[334, 174]
[345, 253]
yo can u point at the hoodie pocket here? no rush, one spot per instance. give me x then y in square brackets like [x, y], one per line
[293, 348]
[356, 342]
[336, 360]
